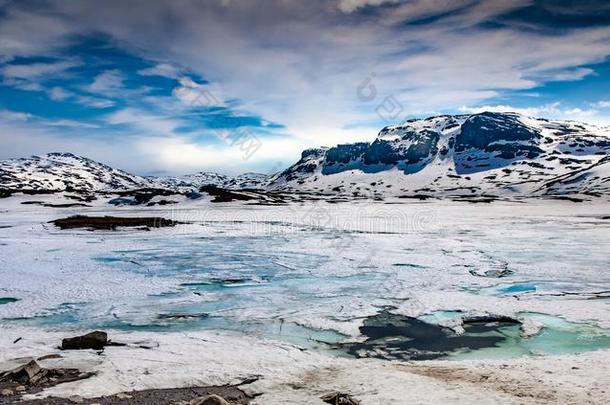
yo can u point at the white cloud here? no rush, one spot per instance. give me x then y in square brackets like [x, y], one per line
[20, 117]
[552, 109]
[96, 102]
[9, 115]
[71, 124]
[571, 74]
[147, 123]
[58, 94]
[30, 77]
[23, 84]
[107, 83]
[194, 94]
[161, 69]
[580, 113]
[138, 153]
[349, 6]
[36, 70]
[180, 155]
[24, 33]
[603, 104]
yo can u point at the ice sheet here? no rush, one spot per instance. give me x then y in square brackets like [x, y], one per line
[306, 273]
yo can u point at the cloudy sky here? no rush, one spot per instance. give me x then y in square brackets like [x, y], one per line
[170, 87]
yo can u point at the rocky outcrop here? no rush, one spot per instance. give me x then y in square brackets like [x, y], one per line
[31, 377]
[209, 400]
[346, 153]
[487, 131]
[306, 166]
[339, 398]
[112, 223]
[96, 340]
[412, 147]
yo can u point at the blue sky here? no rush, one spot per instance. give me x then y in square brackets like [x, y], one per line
[159, 87]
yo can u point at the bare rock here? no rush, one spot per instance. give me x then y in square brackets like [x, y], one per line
[338, 398]
[39, 377]
[95, 340]
[6, 393]
[22, 374]
[209, 400]
[123, 396]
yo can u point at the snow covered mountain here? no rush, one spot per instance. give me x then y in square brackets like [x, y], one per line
[478, 154]
[189, 181]
[65, 171]
[197, 180]
[484, 155]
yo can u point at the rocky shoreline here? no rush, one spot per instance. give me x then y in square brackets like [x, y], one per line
[19, 384]
[31, 378]
[210, 367]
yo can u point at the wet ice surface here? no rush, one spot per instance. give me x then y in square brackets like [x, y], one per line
[314, 275]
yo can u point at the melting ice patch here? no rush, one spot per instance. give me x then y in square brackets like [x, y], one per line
[322, 285]
[395, 337]
[557, 336]
[506, 289]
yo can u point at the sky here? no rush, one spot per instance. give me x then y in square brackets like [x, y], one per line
[173, 87]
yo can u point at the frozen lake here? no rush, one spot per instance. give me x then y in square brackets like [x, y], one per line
[318, 275]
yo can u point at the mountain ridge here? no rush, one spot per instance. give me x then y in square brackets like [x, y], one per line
[485, 153]
[498, 154]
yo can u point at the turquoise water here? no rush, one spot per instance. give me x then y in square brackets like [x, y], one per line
[264, 286]
[518, 289]
[557, 336]
[7, 300]
[182, 318]
[504, 289]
